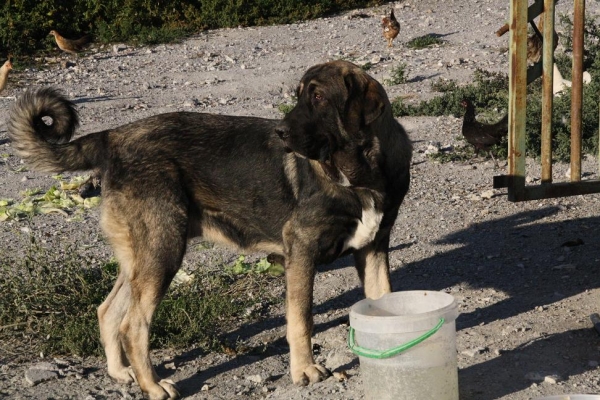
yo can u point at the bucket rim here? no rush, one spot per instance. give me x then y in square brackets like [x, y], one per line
[363, 322]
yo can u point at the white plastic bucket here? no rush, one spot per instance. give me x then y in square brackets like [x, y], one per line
[406, 343]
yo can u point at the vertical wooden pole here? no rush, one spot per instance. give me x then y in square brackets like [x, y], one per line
[547, 93]
[517, 99]
[577, 90]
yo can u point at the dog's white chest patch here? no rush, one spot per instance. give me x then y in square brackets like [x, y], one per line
[366, 229]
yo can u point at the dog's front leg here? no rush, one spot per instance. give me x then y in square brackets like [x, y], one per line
[299, 276]
[372, 264]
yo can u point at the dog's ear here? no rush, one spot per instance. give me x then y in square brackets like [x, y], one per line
[373, 104]
[364, 103]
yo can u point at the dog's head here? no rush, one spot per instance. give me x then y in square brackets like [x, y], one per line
[337, 102]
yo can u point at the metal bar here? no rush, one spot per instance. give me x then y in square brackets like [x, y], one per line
[577, 90]
[517, 97]
[547, 95]
[533, 11]
[561, 189]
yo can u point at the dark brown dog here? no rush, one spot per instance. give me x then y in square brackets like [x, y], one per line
[326, 181]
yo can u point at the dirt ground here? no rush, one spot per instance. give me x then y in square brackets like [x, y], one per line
[525, 275]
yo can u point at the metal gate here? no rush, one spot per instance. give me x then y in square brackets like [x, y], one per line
[519, 77]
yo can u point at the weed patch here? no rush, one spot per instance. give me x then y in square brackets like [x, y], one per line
[24, 25]
[422, 42]
[49, 302]
[397, 76]
[285, 108]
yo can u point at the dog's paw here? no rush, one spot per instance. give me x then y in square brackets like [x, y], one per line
[170, 387]
[123, 375]
[312, 373]
[165, 389]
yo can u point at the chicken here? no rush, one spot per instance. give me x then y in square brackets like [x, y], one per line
[391, 27]
[535, 42]
[482, 136]
[4, 70]
[68, 45]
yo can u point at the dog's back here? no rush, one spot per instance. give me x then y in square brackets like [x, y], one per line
[230, 175]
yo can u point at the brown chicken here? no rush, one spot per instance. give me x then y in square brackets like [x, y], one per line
[4, 70]
[535, 42]
[482, 136]
[68, 45]
[391, 27]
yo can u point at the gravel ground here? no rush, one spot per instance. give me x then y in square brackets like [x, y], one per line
[524, 293]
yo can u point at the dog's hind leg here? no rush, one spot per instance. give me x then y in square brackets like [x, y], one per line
[372, 264]
[114, 307]
[150, 249]
[110, 315]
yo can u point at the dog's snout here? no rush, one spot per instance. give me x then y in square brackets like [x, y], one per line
[283, 131]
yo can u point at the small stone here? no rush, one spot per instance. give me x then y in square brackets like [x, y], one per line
[170, 365]
[34, 376]
[488, 194]
[340, 376]
[118, 48]
[205, 388]
[552, 379]
[255, 378]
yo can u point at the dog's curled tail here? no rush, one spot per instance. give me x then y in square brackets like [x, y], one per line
[41, 125]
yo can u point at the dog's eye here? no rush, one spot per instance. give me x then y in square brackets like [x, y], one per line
[318, 97]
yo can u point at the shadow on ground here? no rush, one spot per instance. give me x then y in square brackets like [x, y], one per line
[515, 255]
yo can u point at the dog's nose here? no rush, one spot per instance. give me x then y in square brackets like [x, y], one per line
[283, 131]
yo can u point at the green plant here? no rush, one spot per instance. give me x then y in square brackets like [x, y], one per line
[263, 266]
[422, 42]
[397, 76]
[366, 66]
[24, 24]
[286, 108]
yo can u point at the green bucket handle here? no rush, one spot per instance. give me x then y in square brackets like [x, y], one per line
[380, 354]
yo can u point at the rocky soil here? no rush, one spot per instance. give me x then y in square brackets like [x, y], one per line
[526, 275]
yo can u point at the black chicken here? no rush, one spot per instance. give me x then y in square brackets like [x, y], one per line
[482, 136]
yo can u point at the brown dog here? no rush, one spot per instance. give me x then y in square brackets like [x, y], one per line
[326, 181]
